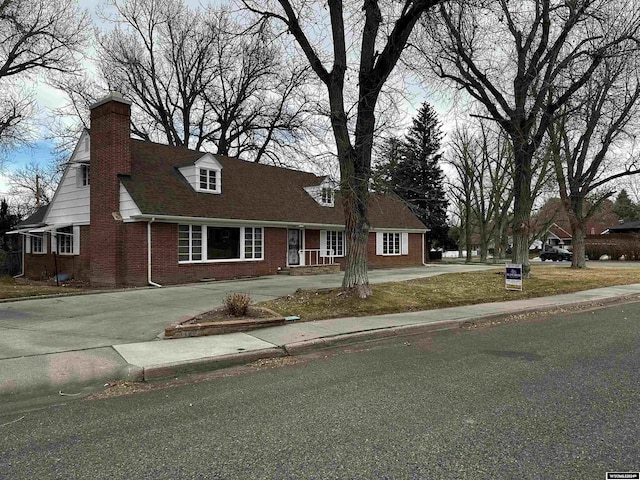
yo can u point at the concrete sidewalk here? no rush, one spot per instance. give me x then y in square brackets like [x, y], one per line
[78, 371]
[66, 343]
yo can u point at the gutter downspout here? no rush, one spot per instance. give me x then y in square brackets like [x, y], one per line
[424, 264]
[153, 284]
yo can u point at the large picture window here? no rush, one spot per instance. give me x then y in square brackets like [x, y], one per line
[223, 243]
[202, 243]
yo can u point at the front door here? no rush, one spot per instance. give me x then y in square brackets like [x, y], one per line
[294, 246]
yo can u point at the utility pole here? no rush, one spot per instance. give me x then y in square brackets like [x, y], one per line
[37, 191]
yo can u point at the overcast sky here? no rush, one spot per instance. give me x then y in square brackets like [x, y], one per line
[49, 98]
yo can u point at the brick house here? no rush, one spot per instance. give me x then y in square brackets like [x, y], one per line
[132, 212]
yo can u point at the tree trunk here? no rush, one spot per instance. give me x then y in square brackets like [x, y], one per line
[467, 234]
[356, 277]
[522, 205]
[575, 212]
[484, 242]
[578, 234]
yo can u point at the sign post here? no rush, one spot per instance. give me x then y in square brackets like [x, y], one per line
[513, 276]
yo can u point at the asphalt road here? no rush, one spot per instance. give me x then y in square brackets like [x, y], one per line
[541, 398]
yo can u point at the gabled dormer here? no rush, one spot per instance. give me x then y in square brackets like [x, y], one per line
[205, 175]
[324, 193]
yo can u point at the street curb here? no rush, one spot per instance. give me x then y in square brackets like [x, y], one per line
[72, 384]
[306, 346]
[200, 365]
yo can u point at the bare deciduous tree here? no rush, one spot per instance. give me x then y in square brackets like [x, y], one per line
[198, 79]
[462, 156]
[366, 40]
[523, 61]
[32, 186]
[592, 144]
[35, 36]
[483, 163]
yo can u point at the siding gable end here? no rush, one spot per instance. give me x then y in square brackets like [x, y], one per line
[70, 203]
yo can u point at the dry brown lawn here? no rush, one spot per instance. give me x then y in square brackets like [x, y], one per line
[447, 290]
[10, 288]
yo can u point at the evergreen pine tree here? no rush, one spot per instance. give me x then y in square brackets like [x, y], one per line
[416, 176]
[8, 221]
[625, 208]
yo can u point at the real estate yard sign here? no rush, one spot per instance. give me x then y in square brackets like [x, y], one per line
[513, 276]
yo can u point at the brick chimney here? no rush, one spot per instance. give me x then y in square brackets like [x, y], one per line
[110, 157]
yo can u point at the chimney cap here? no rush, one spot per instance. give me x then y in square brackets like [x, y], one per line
[113, 96]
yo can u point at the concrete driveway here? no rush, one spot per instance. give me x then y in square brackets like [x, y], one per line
[79, 322]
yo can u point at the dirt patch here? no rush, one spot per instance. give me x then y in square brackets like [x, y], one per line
[217, 322]
[220, 315]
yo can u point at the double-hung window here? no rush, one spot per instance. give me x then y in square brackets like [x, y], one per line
[83, 175]
[202, 243]
[326, 196]
[332, 243]
[253, 243]
[37, 243]
[392, 243]
[64, 240]
[189, 243]
[208, 180]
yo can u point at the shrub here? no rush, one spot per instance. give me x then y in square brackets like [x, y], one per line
[237, 304]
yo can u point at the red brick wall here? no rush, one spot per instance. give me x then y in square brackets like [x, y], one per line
[42, 266]
[133, 268]
[167, 270]
[312, 239]
[110, 156]
[414, 258]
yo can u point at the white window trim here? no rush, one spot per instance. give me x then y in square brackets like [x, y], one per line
[324, 246]
[191, 227]
[242, 258]
[330, 194]
[75, 241]
[243, 253]
[43, 243]
[80, 169]
[404, 244]
[218, 177]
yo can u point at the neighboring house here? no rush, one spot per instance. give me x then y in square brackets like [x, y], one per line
[624, 227]
[131, 212]
[557, 236]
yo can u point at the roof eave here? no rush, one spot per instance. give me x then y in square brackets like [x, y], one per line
[147, 217]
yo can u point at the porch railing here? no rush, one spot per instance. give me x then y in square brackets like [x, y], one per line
[314, 257]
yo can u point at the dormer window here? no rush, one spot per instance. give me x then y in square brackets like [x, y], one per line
[204, 175]
[208, 180]
[326, 196]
